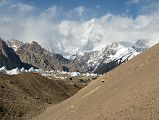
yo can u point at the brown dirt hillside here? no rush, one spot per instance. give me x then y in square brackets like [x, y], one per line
[26, 95]
[129, 92]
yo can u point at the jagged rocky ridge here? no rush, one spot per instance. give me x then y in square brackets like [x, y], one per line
[109, 57]
[101, 61]
[35, 55]
[8, 57]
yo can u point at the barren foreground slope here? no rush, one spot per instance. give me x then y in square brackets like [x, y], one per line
[25, 95]
[129, 92]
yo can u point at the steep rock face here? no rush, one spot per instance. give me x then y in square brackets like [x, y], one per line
[33, 54]
[15, 44]
[8, 57]
[39, 57]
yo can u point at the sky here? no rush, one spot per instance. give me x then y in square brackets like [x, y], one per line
[67, 26]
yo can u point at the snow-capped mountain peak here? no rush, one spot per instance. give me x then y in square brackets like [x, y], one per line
[15, 44]
[105, 58]
[141, 45]
[110, 56]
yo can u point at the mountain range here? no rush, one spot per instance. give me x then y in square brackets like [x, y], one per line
[38, 57]
[110, 56]
[18, 54]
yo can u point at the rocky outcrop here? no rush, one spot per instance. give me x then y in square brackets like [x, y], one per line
[8, 57]
[15, 44]
[140, 45]
[39, 57]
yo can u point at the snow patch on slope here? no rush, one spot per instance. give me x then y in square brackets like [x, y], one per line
[55, 74]
[17, 70]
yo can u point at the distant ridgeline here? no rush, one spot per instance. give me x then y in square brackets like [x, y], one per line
[14, 53]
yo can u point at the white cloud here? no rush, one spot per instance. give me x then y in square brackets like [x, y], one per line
[67, 36]
[80, 10]
[22, 7]
[52, 11]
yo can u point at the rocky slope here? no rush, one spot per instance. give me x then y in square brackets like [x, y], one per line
[8, 57]
[25, 95]
[15, 44]
[130, 91]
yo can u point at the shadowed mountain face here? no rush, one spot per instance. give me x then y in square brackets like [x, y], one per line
[8, 57]
[130, 91]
